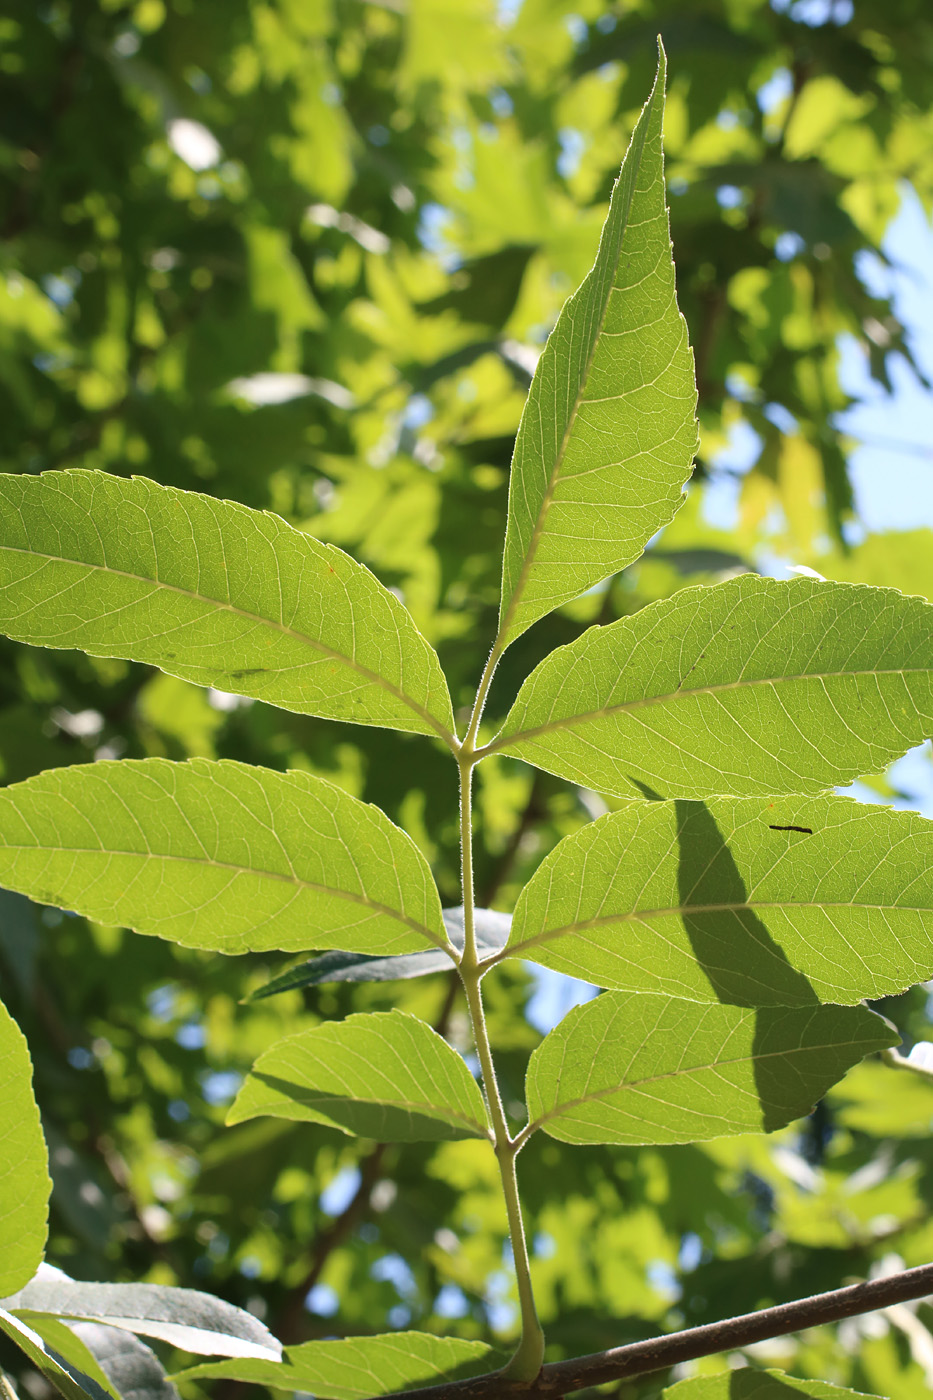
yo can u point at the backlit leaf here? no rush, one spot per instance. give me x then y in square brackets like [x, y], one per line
[751, 686]
[24, 1171]
[384, 1075]
[749, 1384]
[212, 592]
[357, 1367]
[653, 1069]
[118, 1361]
[753, 901]
[70, 1382]
[608, 434]
[218, 855]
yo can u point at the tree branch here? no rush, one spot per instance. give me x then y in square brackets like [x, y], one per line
[658, 1353]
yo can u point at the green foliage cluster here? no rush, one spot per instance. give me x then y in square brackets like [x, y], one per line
[293, 258]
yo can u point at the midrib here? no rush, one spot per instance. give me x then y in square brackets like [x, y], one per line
[373, 676]
[276, 875]
[637, 1084]
[548, 497]
[644, 702]
[636, 916]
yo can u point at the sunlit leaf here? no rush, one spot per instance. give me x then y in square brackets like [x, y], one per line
[386, 1075]
[358, 1367]
[118, 1361]
[751, 686]
[24, 1163]
[748, 1384]
[211, 592]
[753, 901]
[608, 434]
[653, 1069]
[218, 855]
[60, 1374]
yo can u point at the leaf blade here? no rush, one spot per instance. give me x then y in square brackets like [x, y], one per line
[119, 1362]
[217, 855]
[25, 1185]
[356, 1368]
[602, 381]
[212, 592]
[60, 1374]
[196, 1322]
[491, 929]
[357, 1075]
[701, 692]
[647, 1069]
[749, 1384]
[747, 901]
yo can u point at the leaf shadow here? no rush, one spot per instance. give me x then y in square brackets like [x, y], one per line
[740, 959]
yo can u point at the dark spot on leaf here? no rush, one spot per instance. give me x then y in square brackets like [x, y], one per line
[807, 831]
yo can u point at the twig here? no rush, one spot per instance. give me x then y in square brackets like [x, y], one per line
[658, 1353]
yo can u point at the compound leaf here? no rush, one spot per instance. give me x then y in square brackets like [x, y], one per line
[357, 1367]
[752, 901]
[608, 434]
[747, 687]
[219, 855]
[24, 1163]
[641, 1068]
[383, 1075]
[212, 592]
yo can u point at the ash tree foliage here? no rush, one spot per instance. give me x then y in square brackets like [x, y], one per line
[304, 265]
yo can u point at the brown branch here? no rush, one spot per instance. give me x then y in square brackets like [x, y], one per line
[658, 1353]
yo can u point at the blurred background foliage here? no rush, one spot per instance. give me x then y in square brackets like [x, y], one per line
[304, 255]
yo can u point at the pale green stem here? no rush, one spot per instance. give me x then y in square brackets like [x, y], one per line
[526, 1363]
[479, 704]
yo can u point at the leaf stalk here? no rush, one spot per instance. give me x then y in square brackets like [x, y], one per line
[526, 1362]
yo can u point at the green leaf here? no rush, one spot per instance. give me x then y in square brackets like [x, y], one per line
[753, 901]
[70, 1382]
[214, 593]
[748, 1384]
[182, 1317]
[653, 1069]
[132, 1371]
[118, 1361]
[383, 1075]
[749, 687]
[218, 855]
[491, 927]
[883, 1103]
[607, 437]
[24, 1163]
[358, 1367]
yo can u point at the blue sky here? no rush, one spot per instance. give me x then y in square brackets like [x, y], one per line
[892, 468]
